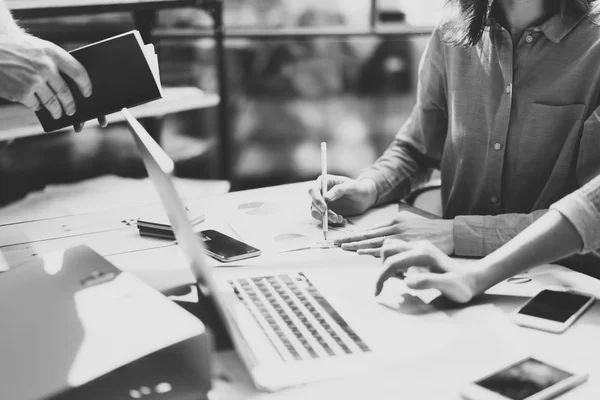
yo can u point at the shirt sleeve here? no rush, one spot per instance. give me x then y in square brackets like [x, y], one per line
[419, 143]
[582, 209]
[480, 235]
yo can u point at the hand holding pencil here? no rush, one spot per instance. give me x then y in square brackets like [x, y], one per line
[339, 197]
[324, 217]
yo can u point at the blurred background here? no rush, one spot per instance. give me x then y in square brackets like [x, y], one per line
[298, 72]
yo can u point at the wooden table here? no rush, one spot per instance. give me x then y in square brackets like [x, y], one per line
[489, 339]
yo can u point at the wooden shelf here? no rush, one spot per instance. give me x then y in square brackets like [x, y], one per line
[19, 122]
[51, 8]
[395, 30]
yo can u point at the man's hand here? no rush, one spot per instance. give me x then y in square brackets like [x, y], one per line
[456, 282]
[440, 232]
[101, 120]
[30, 74]
[346, 197]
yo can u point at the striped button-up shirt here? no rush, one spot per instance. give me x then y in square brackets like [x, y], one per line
[582, 208]
[514, 127]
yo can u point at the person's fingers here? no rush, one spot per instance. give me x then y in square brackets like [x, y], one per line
[369, 252]
[315, 213]
[49, 100]
[316, 197]
[374, 243]
[63, 93]
[102, 121]
[67, 64]
[424, 281]
[370, 234]
[394, 246]
[78, 127]
[400, 263]
[32, 102]
[335, 218]
[452, 286]
[337, 191]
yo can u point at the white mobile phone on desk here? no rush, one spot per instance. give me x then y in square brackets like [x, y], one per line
[553, 311]
[527, 379]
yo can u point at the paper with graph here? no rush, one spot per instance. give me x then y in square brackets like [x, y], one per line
[271, 227]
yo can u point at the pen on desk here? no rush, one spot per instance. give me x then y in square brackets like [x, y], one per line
[324, 187]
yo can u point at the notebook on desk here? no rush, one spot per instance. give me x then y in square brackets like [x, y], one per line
[124, 73]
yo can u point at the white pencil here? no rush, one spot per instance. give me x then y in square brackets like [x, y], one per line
[324, 187]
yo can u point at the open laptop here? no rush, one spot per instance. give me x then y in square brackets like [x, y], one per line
[286, 330]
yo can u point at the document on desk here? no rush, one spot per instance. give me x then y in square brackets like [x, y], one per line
[278, 235]
[275, 229]
[554, 277]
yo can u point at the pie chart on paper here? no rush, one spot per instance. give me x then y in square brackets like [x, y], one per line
[259, 208]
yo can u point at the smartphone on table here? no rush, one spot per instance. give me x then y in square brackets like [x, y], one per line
[225, 248]
[527, 379]
[553, 311]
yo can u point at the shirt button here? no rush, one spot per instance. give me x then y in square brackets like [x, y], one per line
[494, 200]
[537, 29]
[509, 88]
[497, 146]
[529, 39]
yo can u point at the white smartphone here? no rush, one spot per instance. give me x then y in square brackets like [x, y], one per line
[527, 379]
[553, 311]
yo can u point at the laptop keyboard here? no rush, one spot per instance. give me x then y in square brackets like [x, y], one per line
[296, 318]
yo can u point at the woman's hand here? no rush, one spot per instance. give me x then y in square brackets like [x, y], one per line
[440, 232]
[456, 282]
[345, 197]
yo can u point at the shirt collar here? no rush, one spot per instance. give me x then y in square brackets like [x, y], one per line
[557, 27]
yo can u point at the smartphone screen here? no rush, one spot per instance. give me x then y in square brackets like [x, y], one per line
[525, 379]
[225, 246]
[555, 306]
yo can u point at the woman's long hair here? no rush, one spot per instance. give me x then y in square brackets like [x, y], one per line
[467, 28]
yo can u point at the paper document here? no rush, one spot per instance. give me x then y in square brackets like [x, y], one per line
[273, 228]
[276, 235]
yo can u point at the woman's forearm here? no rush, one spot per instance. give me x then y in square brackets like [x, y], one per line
[548, 239]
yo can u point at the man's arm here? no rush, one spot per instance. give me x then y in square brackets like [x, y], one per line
[480, 235]
[419, 143]
[571, 226]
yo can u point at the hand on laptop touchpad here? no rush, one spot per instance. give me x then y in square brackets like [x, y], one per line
[398, 296]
